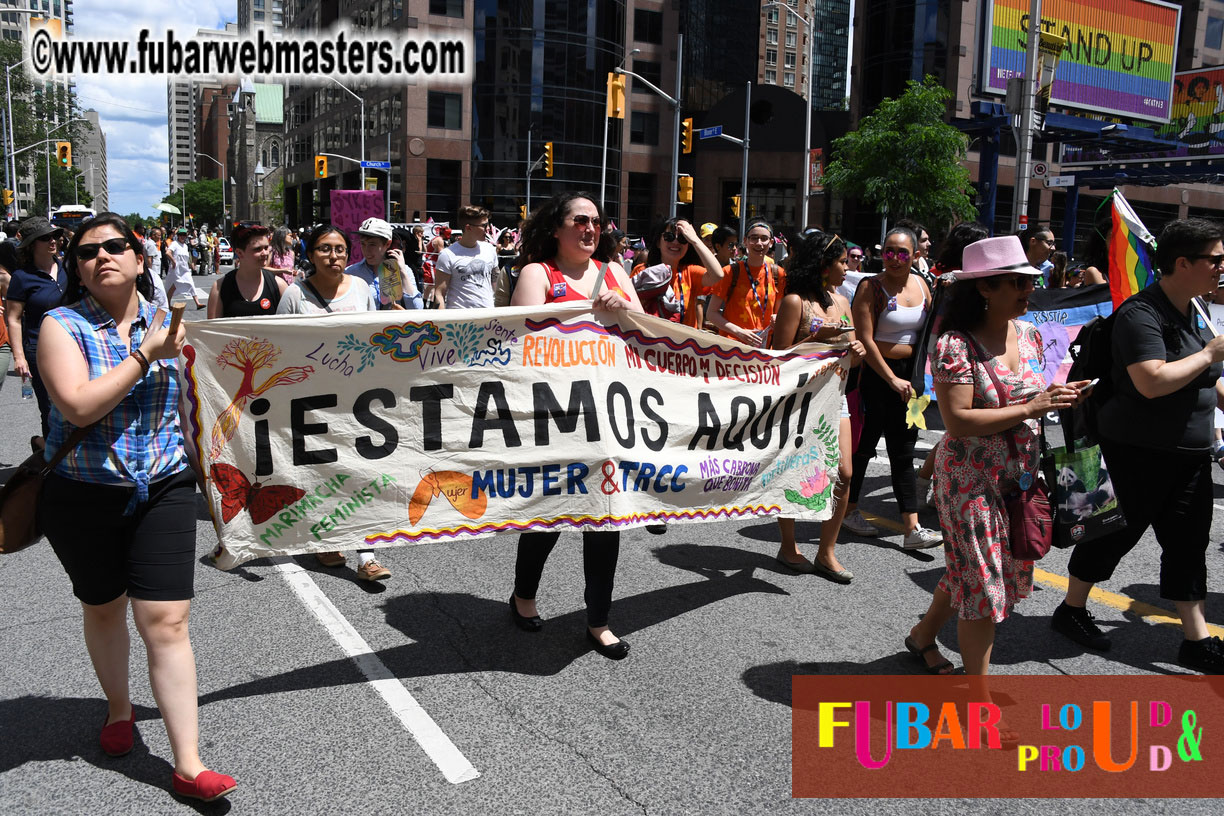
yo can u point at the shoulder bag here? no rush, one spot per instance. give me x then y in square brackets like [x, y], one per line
[19, 496]
[1029, 514]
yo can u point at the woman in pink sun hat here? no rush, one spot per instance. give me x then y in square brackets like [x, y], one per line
[988, 379]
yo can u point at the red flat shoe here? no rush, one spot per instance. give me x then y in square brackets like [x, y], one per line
[117, 738]
[208, 785]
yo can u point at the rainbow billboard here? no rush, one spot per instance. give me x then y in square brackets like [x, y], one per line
[1118, 58]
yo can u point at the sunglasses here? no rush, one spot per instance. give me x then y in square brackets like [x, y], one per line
[856, 256]
[1216, 260]
[1021, 282]
[674, 237]
[483, 226]
[584, 221]
[898, 254]
[114, 247]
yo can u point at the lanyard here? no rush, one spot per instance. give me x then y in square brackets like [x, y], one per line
[752, 280]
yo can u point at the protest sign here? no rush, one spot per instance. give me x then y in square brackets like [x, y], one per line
[393, 428]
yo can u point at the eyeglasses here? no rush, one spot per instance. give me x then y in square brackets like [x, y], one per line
[483, 226]
[674, 237]
[1047, 241]
[113, 247]
[1021, 282]
[52, 237]
[898, 254]
[329, 249]
[1216, 260]
[584, 221]
[856, 256]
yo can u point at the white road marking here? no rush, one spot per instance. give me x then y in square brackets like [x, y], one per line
[437, 746]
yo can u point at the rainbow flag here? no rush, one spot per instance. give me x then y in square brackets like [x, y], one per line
[1130, 244]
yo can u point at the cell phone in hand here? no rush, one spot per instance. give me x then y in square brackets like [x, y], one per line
[1087, 388]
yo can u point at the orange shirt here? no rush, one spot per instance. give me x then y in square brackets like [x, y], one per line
[687, 287]
[746, 308]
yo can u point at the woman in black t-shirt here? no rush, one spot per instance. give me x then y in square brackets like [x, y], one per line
[250, 289]
[1155, 433]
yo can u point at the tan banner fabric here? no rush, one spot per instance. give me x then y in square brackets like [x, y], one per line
[394, 428]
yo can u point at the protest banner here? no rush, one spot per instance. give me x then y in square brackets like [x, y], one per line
[393, 428]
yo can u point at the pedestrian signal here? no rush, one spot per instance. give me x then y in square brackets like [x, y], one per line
[686, 136]
[735, 206]
[320, 167]
[686, 190]
[63, 154]
[548, 159]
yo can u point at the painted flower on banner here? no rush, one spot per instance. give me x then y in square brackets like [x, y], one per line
[816, 487]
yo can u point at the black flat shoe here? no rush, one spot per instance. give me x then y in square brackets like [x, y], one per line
[617, 651]
[533, 624]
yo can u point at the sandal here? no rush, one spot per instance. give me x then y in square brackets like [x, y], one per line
[941, 669]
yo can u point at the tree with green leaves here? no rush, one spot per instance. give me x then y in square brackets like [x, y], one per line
[203, 199]
[138, 221]
[906, 161]
[67, 186]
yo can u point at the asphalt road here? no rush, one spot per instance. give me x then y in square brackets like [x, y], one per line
[696, 720]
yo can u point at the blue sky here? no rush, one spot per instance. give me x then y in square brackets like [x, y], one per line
[133, 109]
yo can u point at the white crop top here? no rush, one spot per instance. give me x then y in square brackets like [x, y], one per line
[900, 324]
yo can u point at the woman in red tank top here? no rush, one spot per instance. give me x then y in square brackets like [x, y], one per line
[567, 254]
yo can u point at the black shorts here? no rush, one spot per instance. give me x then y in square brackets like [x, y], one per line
[150, 554]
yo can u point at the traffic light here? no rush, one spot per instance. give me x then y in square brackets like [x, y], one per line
[320, 167]
[548, 158]
[8, 197]
[686, 190]
[63, 154]
[686, 136]
[522, 212]
[735, 206]
[616, 95]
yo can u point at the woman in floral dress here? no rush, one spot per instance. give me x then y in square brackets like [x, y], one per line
[981, 343]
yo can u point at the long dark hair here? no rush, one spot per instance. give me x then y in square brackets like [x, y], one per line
[280, 240]
[537, 243]
[805, 267]
[317, 234]
[74, 290]
[655, 256]
[951, 251]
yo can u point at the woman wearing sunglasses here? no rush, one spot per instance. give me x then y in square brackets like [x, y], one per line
[889, 312]
[110, 365]
[34, 289]
[694, 267]
[814, 310]
[564, 257]
[328, 291]
[989, 377]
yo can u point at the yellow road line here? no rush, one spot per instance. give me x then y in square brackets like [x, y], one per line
[1150, 613]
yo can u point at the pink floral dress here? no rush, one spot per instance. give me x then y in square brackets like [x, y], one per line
[973, 473]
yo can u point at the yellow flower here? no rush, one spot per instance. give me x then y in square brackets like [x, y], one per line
[914, 411]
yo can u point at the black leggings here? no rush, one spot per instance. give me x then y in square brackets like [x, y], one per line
[40, 393]
[885, 416]
[600, 550]
[1170, 492]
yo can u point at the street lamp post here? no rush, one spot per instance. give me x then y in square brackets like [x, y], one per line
[603, 173]
[12, 133]
[349, 91]
[807, 118]
[224, 221]
[674, 102]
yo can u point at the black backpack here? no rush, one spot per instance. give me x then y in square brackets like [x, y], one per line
[1091, 352]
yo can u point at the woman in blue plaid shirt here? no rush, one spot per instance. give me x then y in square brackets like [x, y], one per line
[119, 509]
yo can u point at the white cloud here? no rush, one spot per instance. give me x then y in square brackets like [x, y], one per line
[132, 110]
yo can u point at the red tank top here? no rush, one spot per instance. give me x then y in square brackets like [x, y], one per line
[560, 290]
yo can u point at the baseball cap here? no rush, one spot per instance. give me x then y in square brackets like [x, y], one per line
[375, 227]
[707, 228]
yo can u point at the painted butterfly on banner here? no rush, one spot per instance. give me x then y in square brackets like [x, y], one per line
[237, 492]
[455, 486]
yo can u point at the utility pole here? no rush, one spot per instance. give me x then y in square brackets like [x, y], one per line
[1024, 135]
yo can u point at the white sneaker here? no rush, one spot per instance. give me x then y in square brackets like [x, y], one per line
[924, 491]
[855, 523]
[921, 538]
